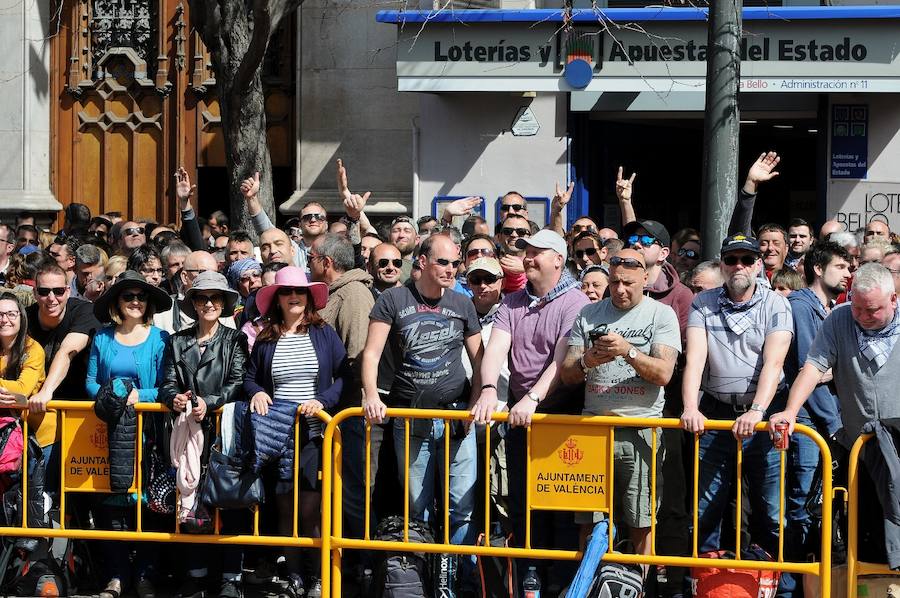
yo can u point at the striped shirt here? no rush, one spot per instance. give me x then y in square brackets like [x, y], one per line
[295, 370]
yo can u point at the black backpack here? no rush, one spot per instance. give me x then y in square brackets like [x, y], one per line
[617, 580]
[497, 574]
[402, 574]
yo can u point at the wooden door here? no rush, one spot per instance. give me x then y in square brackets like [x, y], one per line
[136, 98]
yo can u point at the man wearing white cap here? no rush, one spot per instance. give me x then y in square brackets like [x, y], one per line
[531, 329]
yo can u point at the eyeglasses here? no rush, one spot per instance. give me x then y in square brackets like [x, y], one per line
[476, 253]
[129, 297]
[11, 315]
[732, 260]
[521, 232]
[444, 262]
[204, 299]
[149, 271]
[57, 291]
[288, 291]
[307, 218]
[580, 228]
[515, 207]
[644, 240]
[133, 231]
[383, 262]
[26, 241]
[628, 262]
[477, 280]
[590, 251]
[691, 254]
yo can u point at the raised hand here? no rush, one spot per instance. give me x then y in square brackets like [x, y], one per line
[250, 187]
[461, 207]
[343, 189]
[761, 171]
[561, 198]
[354, 204]
[183, 188]
[624, 187]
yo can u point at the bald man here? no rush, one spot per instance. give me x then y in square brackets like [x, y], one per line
[174, 319]
[275, 246]
[877, 228]
[830, 226]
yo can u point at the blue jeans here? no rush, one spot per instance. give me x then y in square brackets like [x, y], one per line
[426, 456]
[761, 472]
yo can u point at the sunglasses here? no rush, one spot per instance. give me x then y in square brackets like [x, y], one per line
[129, 297]
[133, 231]
[732, 260]
[57, 291]
[383, 262]
[148, 271]
[521, 232]
[590, 251]
[644, 240]
[444, 262]
[628, 262]
[204, 299]
[515, 207]
[101, 234]
[295, 231]
[689, 253]
[25, 241]
[580, 228]
[288, 291]
[476, 280]
[164, 238]
[307, 218]
[474, 253]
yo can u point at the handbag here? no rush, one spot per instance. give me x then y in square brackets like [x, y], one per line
[161, 485]
[230, 483]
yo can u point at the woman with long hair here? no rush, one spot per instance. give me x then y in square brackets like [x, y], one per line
[131, 349]
[298, 364]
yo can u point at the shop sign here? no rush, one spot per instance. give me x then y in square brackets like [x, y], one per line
[816, 56]
[856, 203]
[569, 467]
[849, 141]
[86, 453]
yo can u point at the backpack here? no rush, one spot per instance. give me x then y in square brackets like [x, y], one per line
[497, 574]
[402, 574]
[32, 573]
[12, 444]
[716, 582]
[617, 580]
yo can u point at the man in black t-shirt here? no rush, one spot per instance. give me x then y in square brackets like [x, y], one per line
[428, 325]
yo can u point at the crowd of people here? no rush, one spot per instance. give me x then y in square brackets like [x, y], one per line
[444, 312]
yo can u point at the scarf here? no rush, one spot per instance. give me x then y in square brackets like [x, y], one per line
[876, 345]
[566, 283]
[738, 316]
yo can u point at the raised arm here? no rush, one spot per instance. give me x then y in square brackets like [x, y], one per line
[557, 205]
[624, 191]
[760, 171]
[190, 228]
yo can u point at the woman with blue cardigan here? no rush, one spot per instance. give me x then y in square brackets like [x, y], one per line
[129, 349]
[298, 365]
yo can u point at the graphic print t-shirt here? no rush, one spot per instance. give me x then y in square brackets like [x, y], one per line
[427, 342]
[614, 388]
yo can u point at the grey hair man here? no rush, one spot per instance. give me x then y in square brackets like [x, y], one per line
[173, 256]
[706, 275]
[90, 276]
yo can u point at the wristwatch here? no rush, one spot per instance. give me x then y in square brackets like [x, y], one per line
[632, 353]
[533, 396]
[756, 407]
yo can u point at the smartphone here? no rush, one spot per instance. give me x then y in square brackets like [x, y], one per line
[597, 333]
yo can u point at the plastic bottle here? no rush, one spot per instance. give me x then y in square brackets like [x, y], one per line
[531, 585]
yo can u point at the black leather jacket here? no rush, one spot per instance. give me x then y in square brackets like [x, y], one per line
[216, 377]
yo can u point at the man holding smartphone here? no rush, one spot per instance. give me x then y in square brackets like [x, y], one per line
[624, 348]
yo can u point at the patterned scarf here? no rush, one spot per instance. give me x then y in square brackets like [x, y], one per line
[566, 282]
[737, 315]
[876, 345]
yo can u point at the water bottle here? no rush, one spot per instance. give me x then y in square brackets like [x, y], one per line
[532, 584]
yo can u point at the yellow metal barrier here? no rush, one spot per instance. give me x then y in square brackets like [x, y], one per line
[855, 568]
[333, 542]
[75, 414]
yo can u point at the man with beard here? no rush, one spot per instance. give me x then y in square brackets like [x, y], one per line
[403, 236]
[827, 270]
[737, 340]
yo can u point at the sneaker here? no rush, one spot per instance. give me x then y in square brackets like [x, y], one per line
[263, 574]
[144, 589]
[191, 588]
[113, 589]
[315, 588]
[294, 587]
[231, 588]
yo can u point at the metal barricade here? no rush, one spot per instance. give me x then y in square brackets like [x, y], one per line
[855, 567]
[559, 429]
[77, 423]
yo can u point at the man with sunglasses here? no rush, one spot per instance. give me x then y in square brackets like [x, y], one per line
[427, 325]
[737, 340]
[624, 348]
[385, 264]
[511, 230]
[131, 237]
[513, 203]
[588, 250]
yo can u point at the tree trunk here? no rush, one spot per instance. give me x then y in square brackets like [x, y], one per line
[721, 126]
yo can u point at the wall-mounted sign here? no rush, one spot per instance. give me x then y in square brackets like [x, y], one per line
[849, 141]
[856, 203]
[526, 123]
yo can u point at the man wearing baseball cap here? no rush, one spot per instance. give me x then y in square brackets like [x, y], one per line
[531, 329]
[737, 339]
